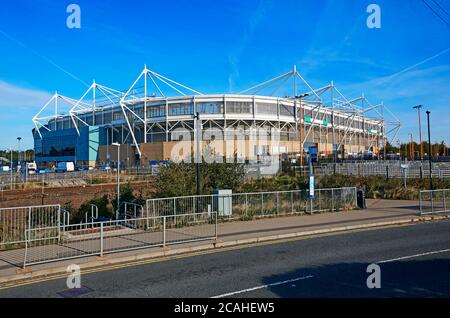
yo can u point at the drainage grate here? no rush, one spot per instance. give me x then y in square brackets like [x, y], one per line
[75, 292]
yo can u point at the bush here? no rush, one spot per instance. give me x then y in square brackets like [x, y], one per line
[103, 205]
[382, 188]
[280, 183]
[127, 195]
[179, 179]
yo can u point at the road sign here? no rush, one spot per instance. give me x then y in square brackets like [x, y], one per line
[313, 153]
[311, 186]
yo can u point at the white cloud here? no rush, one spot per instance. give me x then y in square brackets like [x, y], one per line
[13, 97]
[17, 106]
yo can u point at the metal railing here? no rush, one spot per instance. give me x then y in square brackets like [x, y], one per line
[14, 222]
[388, 169]
[131, 210]
[434, 201]
[41, 234]
[52, 243]
[256, 204]
[70, 179]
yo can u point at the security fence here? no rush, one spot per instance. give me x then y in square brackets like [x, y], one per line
[51, 243]
[14, 222]
[130, 210]
[434, 201]
[68, 179]
[388, 169]
[256, 204]
[40, 234]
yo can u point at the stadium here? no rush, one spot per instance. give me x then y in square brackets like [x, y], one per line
[156, 115]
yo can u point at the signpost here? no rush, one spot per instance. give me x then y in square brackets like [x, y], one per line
[404, 167]
[311, 185]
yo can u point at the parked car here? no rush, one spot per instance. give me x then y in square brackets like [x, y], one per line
[104, 168]
[84, 168]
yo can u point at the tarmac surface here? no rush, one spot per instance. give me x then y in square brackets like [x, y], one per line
[414, 262]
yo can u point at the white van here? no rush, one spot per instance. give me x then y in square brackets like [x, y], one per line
[65, 167]
[31, 167]
[4, 169]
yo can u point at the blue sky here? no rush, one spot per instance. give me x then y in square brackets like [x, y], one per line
[225, 46]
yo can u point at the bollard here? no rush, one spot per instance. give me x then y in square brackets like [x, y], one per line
[101, 239]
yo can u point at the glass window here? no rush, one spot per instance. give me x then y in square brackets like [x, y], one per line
[239, 107]
[286, 110]
[117, 115]
[210, 108]
[266, 108]
[98, 118]
[180, 109]
[156, 111]
[107, 117]
[139, 111]
[56, 146]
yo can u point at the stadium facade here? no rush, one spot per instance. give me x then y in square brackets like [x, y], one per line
[160, 119]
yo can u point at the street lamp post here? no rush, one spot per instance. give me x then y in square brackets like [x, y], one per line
[118, 177]
[429, 149]
[18, 149]
[11, 168]
[197, 151]
[419, 107]
[108, 156]
[411, 148]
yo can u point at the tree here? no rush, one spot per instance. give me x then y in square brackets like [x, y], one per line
[175, 179]
[390, 148]
[126, 195]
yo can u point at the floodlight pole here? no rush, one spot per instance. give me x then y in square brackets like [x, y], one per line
[419, 107]
[300, 126]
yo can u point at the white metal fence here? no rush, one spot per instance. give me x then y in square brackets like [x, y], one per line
[256, 204]
[47, 244]
[40, 234]
[388, 169]
[69, 179]
[14, 222]
[434, 201]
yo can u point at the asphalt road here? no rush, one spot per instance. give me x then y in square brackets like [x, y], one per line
[329, 266]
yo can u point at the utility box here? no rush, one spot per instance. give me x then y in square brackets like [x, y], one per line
[223, 202]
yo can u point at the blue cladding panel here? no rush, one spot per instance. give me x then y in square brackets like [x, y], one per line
[66, 145]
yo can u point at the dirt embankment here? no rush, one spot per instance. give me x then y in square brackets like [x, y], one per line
[76, 195]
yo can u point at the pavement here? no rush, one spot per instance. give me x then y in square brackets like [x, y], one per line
[379, 213]
[414, 262]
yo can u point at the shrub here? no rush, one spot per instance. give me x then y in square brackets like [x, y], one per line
[103, 205]
[179, 179]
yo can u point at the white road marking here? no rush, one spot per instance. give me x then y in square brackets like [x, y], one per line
[263, 286]
[413, 256]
